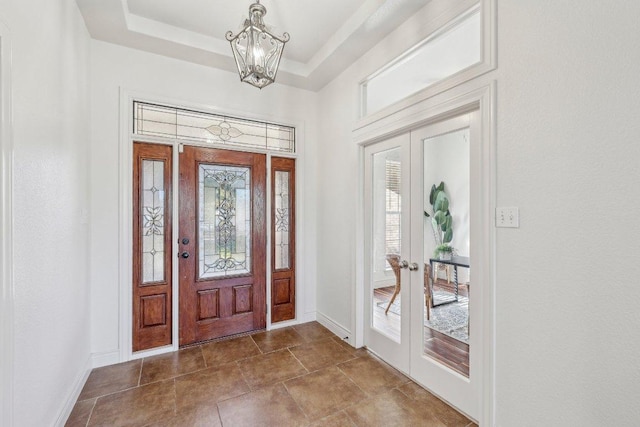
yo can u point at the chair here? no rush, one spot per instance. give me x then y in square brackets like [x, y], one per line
[394, 262]
[428, 289]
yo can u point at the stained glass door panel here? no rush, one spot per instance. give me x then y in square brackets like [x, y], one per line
[222, 243]
[224, 221]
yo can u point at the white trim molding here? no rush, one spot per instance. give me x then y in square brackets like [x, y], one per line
[6, 228]
[98, 360]
[335, 327]
[78, 384]
[478, 94]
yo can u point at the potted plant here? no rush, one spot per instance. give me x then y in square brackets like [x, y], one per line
[441, 221]
[443, 252]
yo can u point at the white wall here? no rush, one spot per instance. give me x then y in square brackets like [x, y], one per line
[50, 59]
[446, 159]
[339, 173]
[568, 156]
[115, 67]
[566, 280]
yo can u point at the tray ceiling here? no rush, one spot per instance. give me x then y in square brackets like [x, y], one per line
[326, 35]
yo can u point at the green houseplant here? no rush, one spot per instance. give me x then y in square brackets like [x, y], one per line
[441, 221]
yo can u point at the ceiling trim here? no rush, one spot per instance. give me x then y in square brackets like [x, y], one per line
[112, 21]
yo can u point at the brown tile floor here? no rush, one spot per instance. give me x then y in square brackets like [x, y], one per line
[297, 376]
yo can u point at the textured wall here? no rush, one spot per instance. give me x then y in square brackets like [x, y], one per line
[568, 156]
[50, 58]
[338, 169]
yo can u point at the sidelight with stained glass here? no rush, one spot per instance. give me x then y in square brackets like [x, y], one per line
[152, 216]
[282, 219]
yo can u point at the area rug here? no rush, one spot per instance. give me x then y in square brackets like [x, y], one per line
[449, 319]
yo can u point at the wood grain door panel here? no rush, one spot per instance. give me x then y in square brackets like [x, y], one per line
[234, 301]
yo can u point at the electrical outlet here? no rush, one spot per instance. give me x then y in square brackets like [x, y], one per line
[507, 217]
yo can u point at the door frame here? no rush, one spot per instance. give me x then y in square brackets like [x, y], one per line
[479, 95]
[125, 238]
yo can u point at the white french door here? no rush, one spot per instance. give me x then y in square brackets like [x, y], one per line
[427, 330]
[387, 208]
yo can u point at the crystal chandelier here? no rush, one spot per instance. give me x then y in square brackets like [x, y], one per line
[257, 52]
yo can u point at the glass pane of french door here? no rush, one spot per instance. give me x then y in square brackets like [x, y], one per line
[387, 243]
[446, 249]
[445, 347]
[387, 216]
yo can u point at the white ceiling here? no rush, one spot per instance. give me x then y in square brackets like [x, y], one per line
[326, 35]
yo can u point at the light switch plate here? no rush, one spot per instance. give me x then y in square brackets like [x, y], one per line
[507, 217]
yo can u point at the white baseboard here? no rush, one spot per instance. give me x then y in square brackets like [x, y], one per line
[283, 324]
[154, 351]
[98, 360]
[334, 327]
[309, 317]
[75, 392]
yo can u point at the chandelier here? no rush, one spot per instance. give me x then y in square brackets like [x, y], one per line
[257, 52]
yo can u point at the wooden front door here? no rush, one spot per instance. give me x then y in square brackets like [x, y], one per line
[222, 243]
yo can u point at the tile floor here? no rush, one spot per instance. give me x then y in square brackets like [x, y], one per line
[297, 376]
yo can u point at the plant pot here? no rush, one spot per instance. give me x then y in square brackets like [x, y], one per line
[445, 256]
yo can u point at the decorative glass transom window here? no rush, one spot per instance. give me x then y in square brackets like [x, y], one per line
[172, 122]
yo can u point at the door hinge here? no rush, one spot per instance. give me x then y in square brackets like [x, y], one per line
[181, 148]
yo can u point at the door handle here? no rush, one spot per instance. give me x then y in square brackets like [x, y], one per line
[405, 264]
[185, 254]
